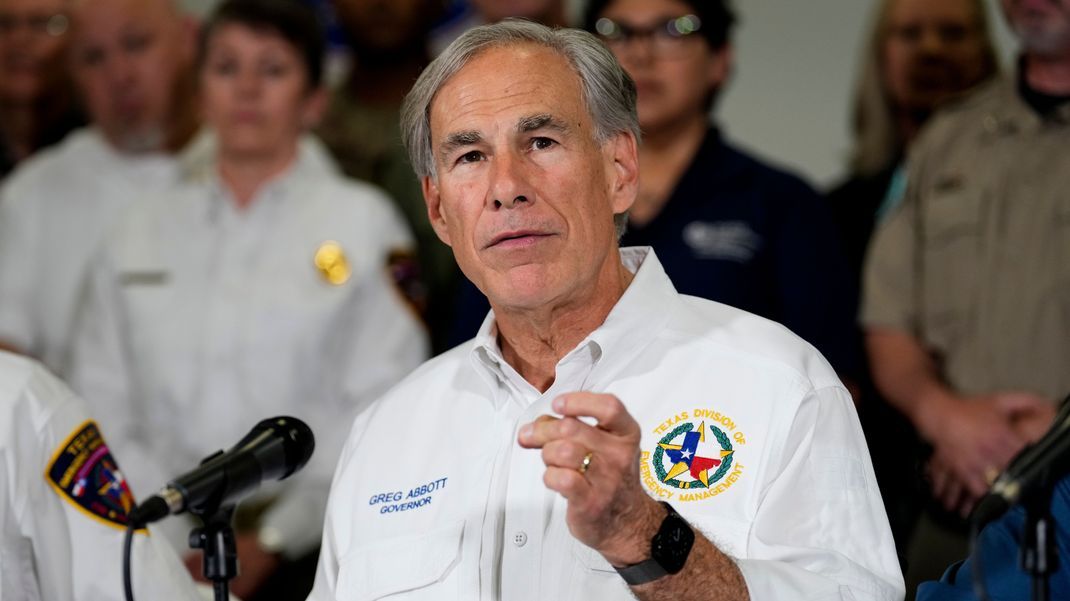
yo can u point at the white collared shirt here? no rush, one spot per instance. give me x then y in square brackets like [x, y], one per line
[51, 547]
[203, 318]
[54, 210]
[434, 499]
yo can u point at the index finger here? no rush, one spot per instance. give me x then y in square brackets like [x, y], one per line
[606, 409]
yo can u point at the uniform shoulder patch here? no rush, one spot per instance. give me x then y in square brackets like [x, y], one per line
[83, 472]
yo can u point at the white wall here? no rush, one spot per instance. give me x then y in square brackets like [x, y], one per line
[796, 62]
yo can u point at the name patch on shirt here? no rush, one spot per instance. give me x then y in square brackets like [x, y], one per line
[85, 474]
[695, 457]
[415, 497]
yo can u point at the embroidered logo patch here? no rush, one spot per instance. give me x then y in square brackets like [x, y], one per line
[84, 473]
[695, 457]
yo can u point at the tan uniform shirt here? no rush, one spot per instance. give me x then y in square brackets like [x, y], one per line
[976, 261]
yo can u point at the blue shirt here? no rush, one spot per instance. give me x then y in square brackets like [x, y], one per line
[999, 544]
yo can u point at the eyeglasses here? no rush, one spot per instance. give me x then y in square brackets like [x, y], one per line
[53, 25]
[668, 39]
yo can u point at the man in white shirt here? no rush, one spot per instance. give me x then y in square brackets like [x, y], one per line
[529, 464]
[64, 502]
[131, 60]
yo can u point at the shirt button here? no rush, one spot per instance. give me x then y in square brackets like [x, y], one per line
[520, 538]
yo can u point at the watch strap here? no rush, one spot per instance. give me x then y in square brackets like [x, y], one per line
[649, 570]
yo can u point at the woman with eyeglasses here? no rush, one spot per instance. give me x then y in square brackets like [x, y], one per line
[726, 226]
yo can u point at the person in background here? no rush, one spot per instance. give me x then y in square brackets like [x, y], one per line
[37, 105]
[727, 226]
[524, 464]
[132, 63]
[259, 286]
[388, 45]
[62, 529]
[921, 54]
[967, 284]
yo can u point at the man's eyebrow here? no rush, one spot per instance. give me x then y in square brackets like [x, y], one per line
[458, 140]
[543, 121]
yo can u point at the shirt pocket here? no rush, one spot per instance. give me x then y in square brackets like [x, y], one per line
[416, 567]
[952, 257]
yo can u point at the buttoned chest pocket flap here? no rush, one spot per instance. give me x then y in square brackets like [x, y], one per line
[417, 567]
[951, 251]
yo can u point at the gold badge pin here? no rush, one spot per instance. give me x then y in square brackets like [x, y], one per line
[332, 263]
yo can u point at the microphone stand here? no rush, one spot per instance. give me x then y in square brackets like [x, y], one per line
[215, 539]
[1037, 556]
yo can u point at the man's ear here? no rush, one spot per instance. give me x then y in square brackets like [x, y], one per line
[434, 209]
[623, 152]
[720, 69]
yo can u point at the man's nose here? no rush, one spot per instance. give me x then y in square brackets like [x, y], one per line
[121, 70]
[509, 186]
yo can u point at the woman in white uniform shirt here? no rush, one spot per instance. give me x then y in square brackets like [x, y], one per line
[259, 287]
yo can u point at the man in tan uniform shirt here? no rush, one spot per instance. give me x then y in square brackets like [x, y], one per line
[967, 286]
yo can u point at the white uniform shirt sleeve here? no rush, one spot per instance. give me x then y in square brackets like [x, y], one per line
[821, 486]
[51, 548]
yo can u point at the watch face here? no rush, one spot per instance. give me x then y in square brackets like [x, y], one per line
[672, 544]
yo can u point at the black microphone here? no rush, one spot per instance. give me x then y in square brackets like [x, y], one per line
[1038, 467]
[272, 450]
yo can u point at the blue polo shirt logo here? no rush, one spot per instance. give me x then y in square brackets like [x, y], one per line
[725, 240]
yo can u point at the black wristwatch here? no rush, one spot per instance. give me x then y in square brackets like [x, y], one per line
[668, 551]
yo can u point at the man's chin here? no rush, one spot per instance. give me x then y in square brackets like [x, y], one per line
[140, 140]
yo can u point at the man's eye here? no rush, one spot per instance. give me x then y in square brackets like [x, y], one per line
[471, 157]
[542, 143]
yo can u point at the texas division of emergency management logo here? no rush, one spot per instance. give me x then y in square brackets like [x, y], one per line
[84, 473]
[695, 457]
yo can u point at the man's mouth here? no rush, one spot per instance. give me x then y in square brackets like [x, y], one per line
[517, 238]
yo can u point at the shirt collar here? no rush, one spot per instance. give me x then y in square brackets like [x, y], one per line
[1013, 114]
[200, 168]
[640, 312]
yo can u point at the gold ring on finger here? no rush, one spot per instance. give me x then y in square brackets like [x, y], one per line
[586, 463]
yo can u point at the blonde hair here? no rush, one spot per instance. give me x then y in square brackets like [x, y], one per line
[877, 144]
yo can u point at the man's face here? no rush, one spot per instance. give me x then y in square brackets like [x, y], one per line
[674, 76]
[32, 33]
[524, 193]
[1043, 26]
[126, 57]
[931, 51]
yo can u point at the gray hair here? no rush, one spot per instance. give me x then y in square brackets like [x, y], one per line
[608, 91]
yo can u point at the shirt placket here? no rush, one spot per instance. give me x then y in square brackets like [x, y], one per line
[525, 558]
[220, 395]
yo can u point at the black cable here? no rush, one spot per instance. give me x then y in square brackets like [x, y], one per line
[128, 543]
[976, 570]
